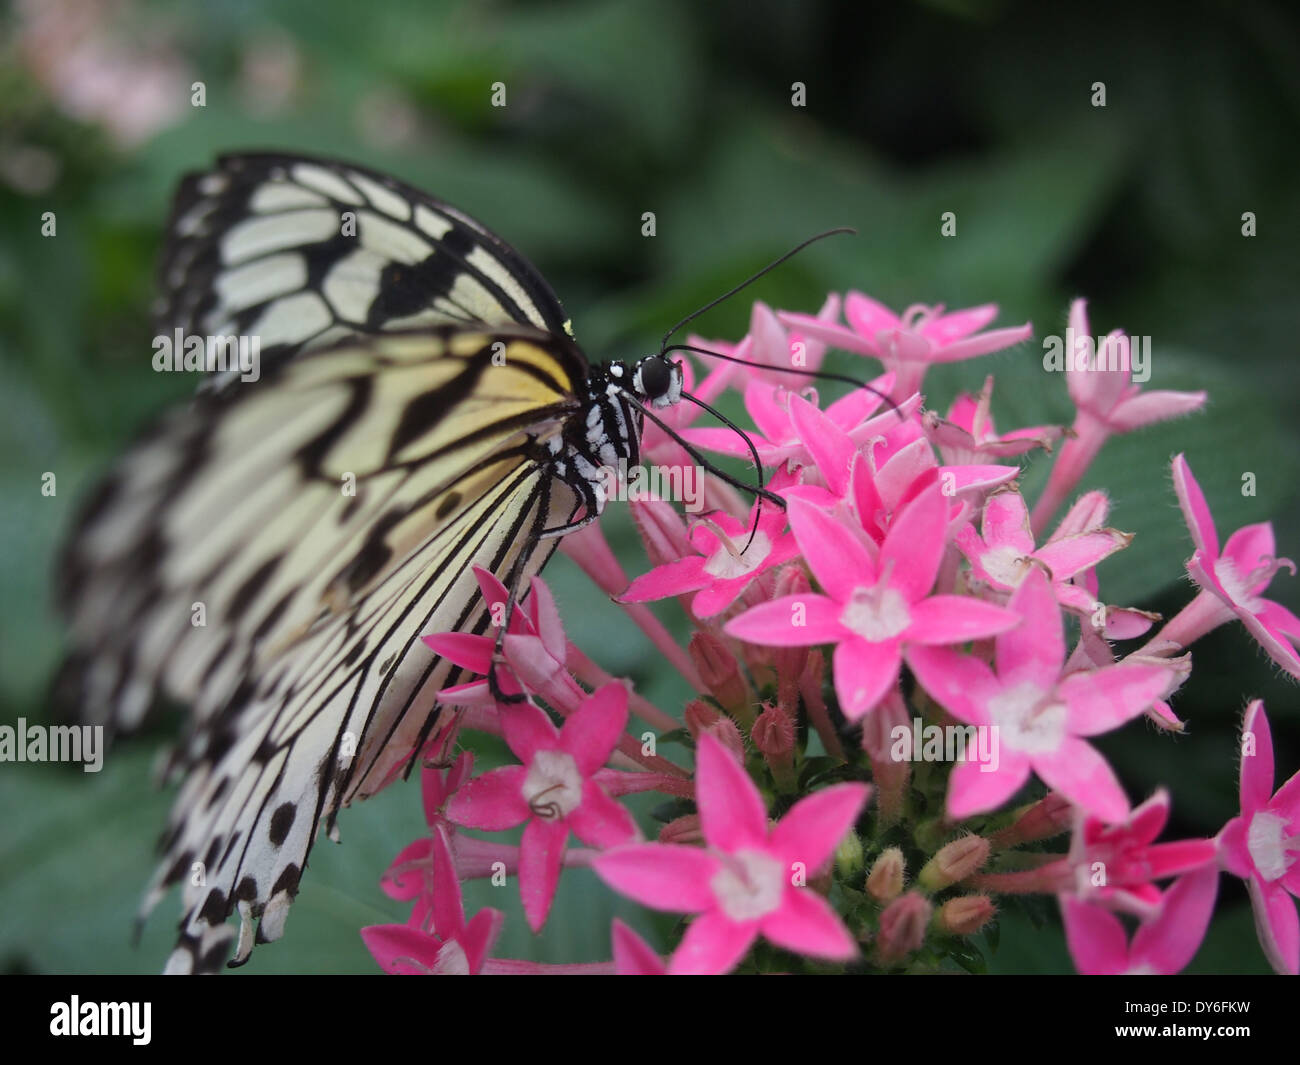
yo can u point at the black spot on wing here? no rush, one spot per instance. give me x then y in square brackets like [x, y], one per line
[281, 822]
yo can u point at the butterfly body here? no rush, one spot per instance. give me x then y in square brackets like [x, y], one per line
[272, 553]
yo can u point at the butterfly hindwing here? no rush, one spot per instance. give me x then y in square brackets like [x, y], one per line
[271, 556]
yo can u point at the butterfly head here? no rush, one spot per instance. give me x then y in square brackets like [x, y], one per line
[657, 380]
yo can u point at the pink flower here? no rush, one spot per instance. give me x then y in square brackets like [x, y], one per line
[968, 435]
[1261, 845]
[1232, 581]
[1163, 945]
[1003, 552]
[726, 563]
[555, 790]
[908, 344]
[872, 607]
[451, 946]
[1101, 384]
[1042, 721]
[411, 873]
[749, 882]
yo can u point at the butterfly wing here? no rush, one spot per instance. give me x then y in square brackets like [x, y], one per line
[272, 554]
[302, 252]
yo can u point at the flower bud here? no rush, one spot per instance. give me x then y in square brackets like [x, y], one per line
[726, 731]
[773, 736]
[1048, 817]
[685, 829]
[954, 862]
[903, 926]
[721, 674]
[849, 855]
[965, 915]
[890, 775]
[662, 530]
[885, 881]
[698, 716]
[789, 662]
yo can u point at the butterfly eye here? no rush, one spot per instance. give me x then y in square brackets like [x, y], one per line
[659, 380]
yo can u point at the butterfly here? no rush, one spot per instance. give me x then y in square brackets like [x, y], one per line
[271, 553]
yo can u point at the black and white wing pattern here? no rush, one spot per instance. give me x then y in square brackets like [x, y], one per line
[301, 252]
[271, 556]
[271, 553]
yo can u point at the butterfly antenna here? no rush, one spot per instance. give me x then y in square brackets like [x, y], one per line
[758, 462]
[821, 375]
[750, 280]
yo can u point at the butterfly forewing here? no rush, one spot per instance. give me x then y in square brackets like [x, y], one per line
[301, 252]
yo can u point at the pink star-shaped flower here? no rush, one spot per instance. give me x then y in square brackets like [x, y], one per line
[1042, 721]
[1163, 945]
[967, 436]
[750, 880]
[556, 790]
[728, 559]
[908, 344]
[451, 946]
[1232, 581]
[872, 607]
[1261, 845]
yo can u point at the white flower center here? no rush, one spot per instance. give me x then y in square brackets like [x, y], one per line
[876, 614]
[1028, 719]
[729, 561]
[1006, 565]
[451, 961]
[749, 885]
[553, 786]
[1271, 849]
[1237, 587]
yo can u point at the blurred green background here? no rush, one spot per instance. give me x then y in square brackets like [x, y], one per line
[613, 109]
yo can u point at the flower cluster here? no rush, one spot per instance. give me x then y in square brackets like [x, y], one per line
[898, 680]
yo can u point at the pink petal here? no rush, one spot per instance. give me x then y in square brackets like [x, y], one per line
[835, 555]
[549, 626]
[806, 924]
[448, 908]
[1170, 941]
[983, 343]
[664, 876]
[949, 327]
[1106, 698]
[493, 802]
[1257, 768]
[813, 827]
[1071, 554]
[632, 955]
[528, 730]
[828, 445]
[712, 946]
[469, 652]
[592, 731]
[672, 578]
[766, 406]
[1274, 643]
[1034, 652]
[961, 684]
[1150, 407]
[732, 813]
[1196, 511]
[399, 948]
[1149, 818]
[1006, 522]
[599, 821]
[480, 937]
[1277, 925]
[914, 545]
[1234, 852]
[973, 791]
[1079, 773]
[944, 619]
[1095, 938]
[864, 672]
[776, 623]
[541, 856]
